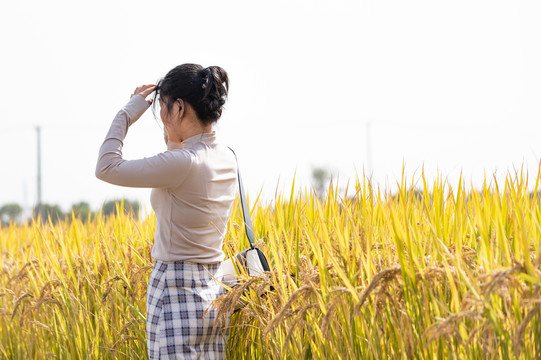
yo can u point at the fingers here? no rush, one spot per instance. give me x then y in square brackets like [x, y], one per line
[144, 91]
[147, 90]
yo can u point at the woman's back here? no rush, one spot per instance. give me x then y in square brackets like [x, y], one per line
[192, 217]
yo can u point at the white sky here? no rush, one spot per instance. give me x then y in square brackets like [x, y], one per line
[451, 85]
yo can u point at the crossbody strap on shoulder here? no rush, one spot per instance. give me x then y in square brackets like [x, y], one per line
[245, 210]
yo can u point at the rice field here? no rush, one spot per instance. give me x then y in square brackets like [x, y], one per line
[445, 271]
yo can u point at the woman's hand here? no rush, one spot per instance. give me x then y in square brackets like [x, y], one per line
[144, 91]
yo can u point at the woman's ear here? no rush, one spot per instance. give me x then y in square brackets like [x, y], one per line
[181, 108]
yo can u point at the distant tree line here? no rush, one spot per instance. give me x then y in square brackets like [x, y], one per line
[12, 212]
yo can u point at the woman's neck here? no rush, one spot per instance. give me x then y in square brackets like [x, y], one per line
[195, 130]
[186, 129]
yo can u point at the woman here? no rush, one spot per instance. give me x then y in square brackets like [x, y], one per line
[193, 188]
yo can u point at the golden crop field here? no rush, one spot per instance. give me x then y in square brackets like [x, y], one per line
[447, 272]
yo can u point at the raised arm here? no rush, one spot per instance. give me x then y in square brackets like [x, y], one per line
[167, 169]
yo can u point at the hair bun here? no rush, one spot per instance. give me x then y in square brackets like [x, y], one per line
[215, 84]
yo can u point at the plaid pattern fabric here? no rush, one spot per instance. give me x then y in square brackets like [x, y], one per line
[178, 295]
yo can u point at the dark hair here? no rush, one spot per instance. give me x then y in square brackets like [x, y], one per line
[205, 89]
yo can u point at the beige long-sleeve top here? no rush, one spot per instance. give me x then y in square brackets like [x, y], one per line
[194, 187]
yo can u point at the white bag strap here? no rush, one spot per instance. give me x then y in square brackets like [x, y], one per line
[245, 210]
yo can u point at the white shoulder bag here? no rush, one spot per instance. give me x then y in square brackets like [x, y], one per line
[251, 261]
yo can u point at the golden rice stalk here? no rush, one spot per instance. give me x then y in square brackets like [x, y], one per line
[519, 335]
[380, 279]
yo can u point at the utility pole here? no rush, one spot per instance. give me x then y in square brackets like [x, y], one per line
[38, 129]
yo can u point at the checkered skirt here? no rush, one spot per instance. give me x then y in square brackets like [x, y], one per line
[178, 295]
